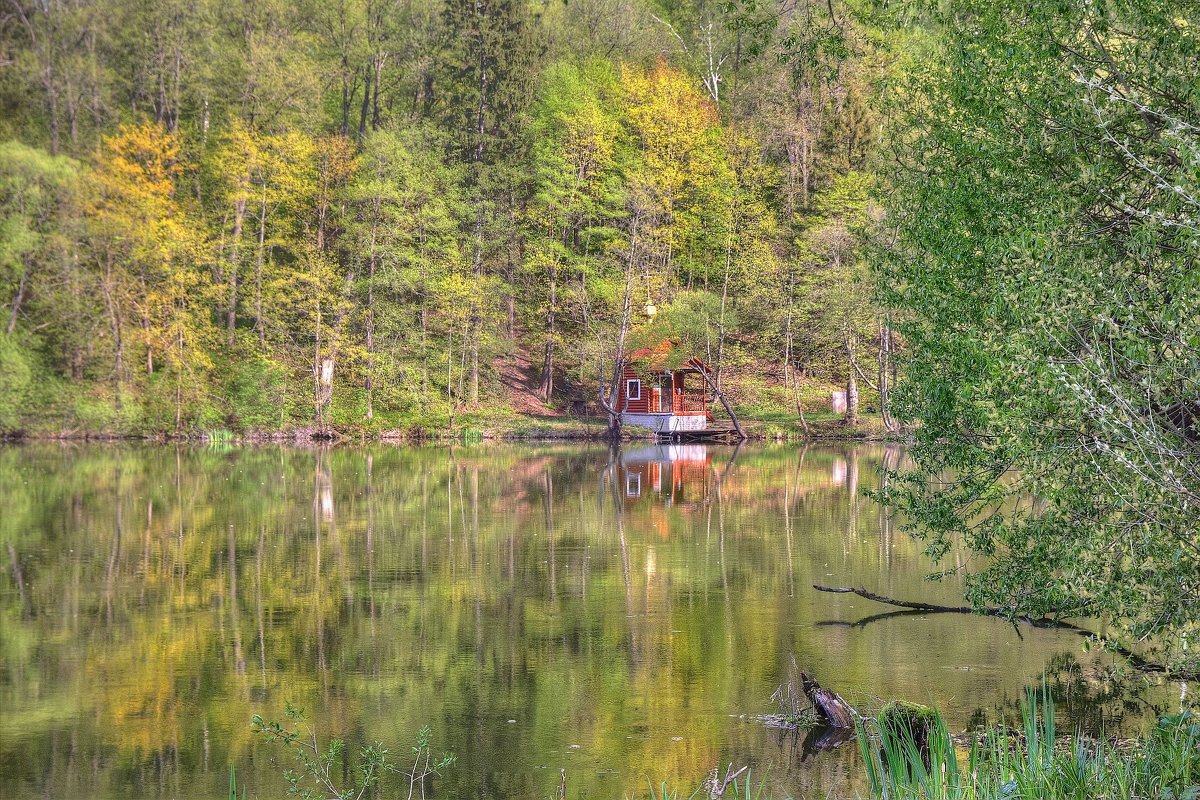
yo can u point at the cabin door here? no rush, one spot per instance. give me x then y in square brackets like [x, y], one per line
[660, 396]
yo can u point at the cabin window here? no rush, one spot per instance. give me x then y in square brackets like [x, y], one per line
[633, 485]
[633, 389]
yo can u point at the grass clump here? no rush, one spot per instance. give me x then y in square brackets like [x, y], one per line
[1030, 763]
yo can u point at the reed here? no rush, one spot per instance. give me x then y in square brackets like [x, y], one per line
[1006, 764]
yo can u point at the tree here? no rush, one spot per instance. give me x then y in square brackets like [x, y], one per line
[839, 314]
[34, 190]
[405, 229]
[490, 69]
[58, 49]
[148, 256]
[267, 181]
[1046, 250]
[576, 131]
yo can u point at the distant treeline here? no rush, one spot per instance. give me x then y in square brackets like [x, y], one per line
[274, 214]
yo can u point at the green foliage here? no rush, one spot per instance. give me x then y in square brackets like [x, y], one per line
[318, 779]
[15, 383]
[260, 394]
[1044, 276]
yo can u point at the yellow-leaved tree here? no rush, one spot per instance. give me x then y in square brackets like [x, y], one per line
[148, 255]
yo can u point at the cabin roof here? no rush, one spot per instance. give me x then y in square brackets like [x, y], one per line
[656, 358]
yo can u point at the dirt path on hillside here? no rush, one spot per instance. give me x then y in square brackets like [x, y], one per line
[520, 380]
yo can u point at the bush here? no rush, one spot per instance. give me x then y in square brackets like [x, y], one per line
[16, 382]
[260, 394]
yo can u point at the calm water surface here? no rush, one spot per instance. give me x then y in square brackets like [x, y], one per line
[620, 616]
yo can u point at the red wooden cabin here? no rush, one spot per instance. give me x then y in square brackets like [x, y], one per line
[657, 395]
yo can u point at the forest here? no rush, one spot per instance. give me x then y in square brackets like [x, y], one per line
[363, 215]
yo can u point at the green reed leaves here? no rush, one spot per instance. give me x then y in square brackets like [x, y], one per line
[1030, 763]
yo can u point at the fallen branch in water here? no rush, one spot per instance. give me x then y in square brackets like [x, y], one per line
[891, 601]
[715, 786]
[1136, 660]
[933, 608]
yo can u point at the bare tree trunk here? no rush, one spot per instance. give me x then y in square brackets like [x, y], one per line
[239, 217]
[476, 311]
[316, 370]
[789, 378]
[258, 270]
[851, 383]
[347, 95]
[376, 114]
[885, 357]
[547, 388]
[800, 409]
[609, 401]
[366, 103]
[737, 426]
[179, 383]
[370, 332]
[18, 299]
[724, 301]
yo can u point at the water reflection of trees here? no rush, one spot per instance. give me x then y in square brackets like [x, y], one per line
[167, 594]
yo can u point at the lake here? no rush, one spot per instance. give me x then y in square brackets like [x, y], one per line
[623, 616]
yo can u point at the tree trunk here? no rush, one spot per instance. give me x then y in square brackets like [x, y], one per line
[800, 409]
[370, 332]
[114, 322]
[851, 385]
[258, 270]
[476, 311]
[239, 217]
[179, 384]
[885, 359]
[737, 426]
[18, 299]
[724, 301]
[547, 388]
[366, 104]
[833, 710]
[609, 401]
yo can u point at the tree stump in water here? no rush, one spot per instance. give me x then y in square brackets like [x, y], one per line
[833, 710]
[903, 722]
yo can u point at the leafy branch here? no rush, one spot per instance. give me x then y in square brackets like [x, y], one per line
[315, 781]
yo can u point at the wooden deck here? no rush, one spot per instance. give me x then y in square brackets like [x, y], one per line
[714, 432]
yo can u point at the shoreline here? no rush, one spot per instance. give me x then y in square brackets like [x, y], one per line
[524, 429]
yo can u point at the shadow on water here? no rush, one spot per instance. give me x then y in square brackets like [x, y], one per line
[621, 615]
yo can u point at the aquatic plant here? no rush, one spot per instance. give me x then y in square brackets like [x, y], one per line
[316, 780]
[714, 787]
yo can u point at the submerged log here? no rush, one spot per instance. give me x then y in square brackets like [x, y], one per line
[833, 710]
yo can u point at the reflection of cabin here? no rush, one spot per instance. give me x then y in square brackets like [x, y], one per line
[676, 475]
[655, 394]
